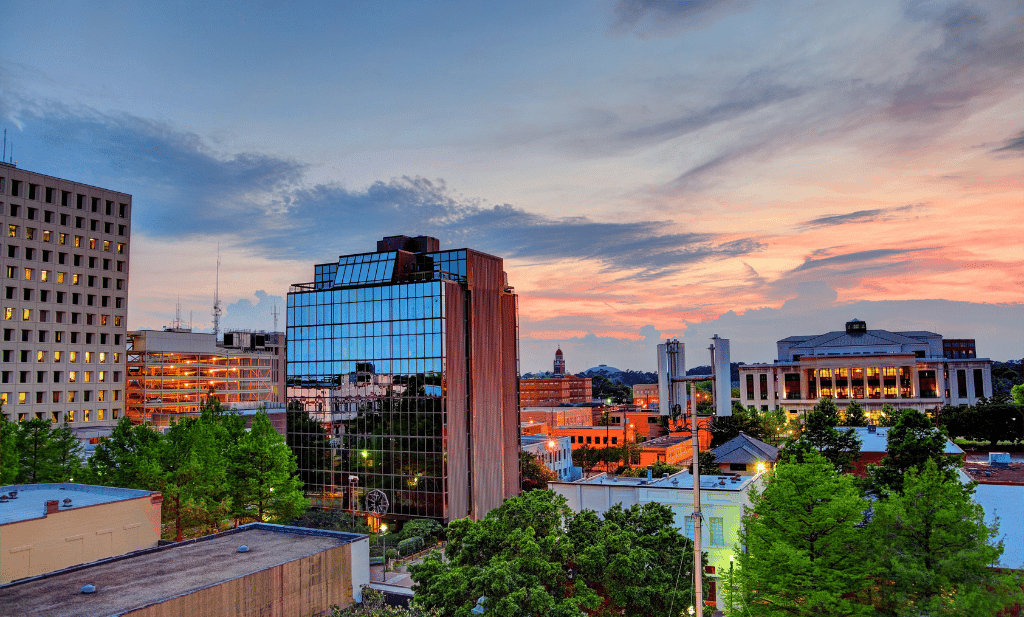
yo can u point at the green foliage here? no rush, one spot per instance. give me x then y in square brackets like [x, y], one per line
[657, 469]
[991, 420]
[934, 550]
[820, 433]
[533, 556]
[803, 554]
[912, 442]
[10, 460]
[587, 457]
[335, 520]
[35, 448]
[766, 426]
[129, 458]
[1018, 394]
[604, 389]
[427, 528]
[374, 605]
[706, 464]
[66, 452]
[411, 545]
[261, 475]
[854, 415]
[193, 459]
[534, 474]
[888, 415]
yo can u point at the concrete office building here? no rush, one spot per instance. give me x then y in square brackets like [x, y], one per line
[873, 367]
[407, 360]
[172, 371]
[64, 300]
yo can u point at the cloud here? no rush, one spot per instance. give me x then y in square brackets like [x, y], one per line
[853, 258]
[243, 314]
[860, 216]
[183, 188]
[1014, 144]
[665, 17]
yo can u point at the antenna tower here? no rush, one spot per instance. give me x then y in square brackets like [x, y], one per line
[275, 313]
[216, 300]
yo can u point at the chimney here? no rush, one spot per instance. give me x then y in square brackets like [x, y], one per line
[52, 506]
[650, 473]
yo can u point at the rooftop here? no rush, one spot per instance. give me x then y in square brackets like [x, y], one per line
[879, 440]
[31, 500]
[681, 480]
[1005, 502]
[139, 579]
[745, 449]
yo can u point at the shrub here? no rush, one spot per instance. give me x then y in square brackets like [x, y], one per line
[423, 527]
[410, 545]
[376, 561]
[392, 553]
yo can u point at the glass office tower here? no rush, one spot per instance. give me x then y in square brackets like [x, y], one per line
[402, 377]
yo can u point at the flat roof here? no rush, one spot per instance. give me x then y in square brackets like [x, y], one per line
[1005, 502]
[32, 498]
[879, 440]
[156, 575]
[681, 480]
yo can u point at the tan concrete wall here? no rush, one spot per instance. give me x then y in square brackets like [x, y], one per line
[77, 535]
[307, 586]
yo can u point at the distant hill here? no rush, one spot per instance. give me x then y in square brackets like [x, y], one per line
[612, 374]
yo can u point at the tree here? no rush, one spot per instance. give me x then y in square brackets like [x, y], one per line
[66, 452]
[586, 457]
[888, 415]
[998, 419]
[194, 472]
[935, 551]
[533, 556]
[10, 459]
[820, 433]
[706, 463]
[854, 415]
[262, 476]
[911, 443]
[36, 448]
[129, 458]
[802, 543]
[535, 473]
[1018, 394]
[743, 420]
[374, 605]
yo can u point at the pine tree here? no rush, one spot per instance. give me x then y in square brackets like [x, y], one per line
[194, 470]
[854, 415]
[912, 442]
[262, 475]
[35, 445]
[66, 452]
[803, 555]
[888, 415]
[935, 551]
[128, 458]
[10, 459]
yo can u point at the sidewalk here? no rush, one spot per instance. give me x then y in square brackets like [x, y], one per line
[396, 578]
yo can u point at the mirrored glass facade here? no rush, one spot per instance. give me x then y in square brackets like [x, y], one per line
[402, 375]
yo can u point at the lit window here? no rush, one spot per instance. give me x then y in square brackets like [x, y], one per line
[26, 314]
[103, 319]
[12, 231]
[99, 412]
[103, 376]
[120, 247]
[8, 313]
[88, 376]
[117, 358]
[75, 279]
[71, 414]
[71, 399]
[72, 377]
[88, 357]
[78, 241]
[44, 275]
[92, 243]
[100, 395]
[106, 245]
[86, 414]
[46, 236]
[30, 233]
[40, 356]
[60, 277]
[22, 397]
[103, 356]
[62, 238]
[28, 274]
[117, 320]
[72, 355]
[56, 356]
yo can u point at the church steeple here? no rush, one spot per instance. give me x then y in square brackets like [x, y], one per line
[559, 362]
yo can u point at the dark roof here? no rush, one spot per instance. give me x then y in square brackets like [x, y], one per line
[745, 449]
[841, 338]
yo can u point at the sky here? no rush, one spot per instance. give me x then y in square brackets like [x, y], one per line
[647, 169]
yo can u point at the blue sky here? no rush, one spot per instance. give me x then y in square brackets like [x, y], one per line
[647, 169]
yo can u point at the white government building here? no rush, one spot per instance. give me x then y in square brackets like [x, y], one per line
[873, 367]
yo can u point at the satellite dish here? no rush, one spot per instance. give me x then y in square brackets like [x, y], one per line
[377, 503]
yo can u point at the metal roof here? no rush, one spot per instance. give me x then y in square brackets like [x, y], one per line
[745, 449]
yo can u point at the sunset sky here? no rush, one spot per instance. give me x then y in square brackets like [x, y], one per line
[647, 169]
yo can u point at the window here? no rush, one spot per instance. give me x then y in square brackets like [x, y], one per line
[92, 245]
[88, 357]
[9, 313]
[56, 356]
[78, 239]
[103, 358]
[71, 414]
[73, 355]
[29, 272]
[12, 231]
[62, 238]
[46, 234]
[71, 399]
[26, 314]
[40, 356]
[30, 233]
[106, 245]
[717, 532]
[737, 466]
[44, 276]
[56, 376]
[86, 414]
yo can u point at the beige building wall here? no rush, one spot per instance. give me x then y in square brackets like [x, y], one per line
[68, 537]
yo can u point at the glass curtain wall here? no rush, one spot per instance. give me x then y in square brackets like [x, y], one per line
[367, 382]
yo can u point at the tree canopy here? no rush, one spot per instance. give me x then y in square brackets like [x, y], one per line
[840, 447]
[534, 556]
[803, 554]
[934, 551]
[912, 442]
[534, 472]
